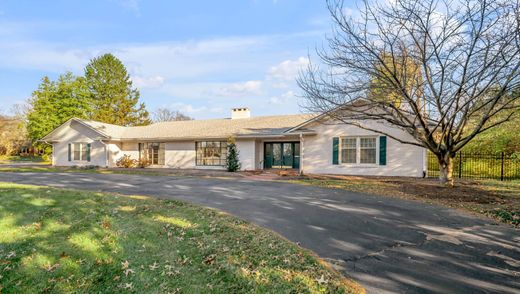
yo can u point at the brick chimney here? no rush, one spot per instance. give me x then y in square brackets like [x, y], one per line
[241, 112]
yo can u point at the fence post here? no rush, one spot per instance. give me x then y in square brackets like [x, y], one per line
[460, 165]
[502, 168]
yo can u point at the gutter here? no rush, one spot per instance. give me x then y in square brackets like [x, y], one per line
[106, 151]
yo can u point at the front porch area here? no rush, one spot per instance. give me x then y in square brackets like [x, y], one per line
[281, 155]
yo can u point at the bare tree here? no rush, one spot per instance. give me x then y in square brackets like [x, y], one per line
[20, 111]
[453, 65]
[166, 114]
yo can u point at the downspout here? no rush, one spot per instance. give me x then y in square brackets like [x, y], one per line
[301, 153]
[425, 163]
[106, 152]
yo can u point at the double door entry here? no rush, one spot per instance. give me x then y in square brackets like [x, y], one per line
[282, 155]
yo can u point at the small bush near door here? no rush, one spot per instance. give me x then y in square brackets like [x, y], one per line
[232, 162]
[126, 162]
[144, 162]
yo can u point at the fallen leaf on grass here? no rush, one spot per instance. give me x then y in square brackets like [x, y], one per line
[321, 280]
[154, 266]
[50, 268]
[128, 286]
[210, 259]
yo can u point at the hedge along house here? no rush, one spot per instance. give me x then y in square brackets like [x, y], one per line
[305, 142]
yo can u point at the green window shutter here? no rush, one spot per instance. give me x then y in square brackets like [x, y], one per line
[382, 150]
[335, 150]
[88, 152]
[70, 152]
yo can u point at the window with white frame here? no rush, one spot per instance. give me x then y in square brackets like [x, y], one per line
[349, 150]
[359, 150]
[367, 150]
[79, 151]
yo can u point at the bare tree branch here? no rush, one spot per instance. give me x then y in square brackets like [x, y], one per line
[457, 59]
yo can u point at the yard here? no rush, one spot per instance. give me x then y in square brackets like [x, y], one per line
[496, 199]
[55, 240]
[15, 159]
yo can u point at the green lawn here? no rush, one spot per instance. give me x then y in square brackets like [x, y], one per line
[53, 169]
[4, 158]
[62, 241]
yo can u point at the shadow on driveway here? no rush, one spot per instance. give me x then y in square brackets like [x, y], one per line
[388, 245]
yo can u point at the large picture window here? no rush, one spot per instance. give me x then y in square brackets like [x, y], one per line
[211, 153]
[359, 150]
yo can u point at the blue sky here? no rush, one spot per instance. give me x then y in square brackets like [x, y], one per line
[200, 57]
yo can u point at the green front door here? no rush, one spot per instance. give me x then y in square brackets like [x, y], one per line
[296, 161]
[282, 155]
[288, 155]
[268, 156]
[277, 155]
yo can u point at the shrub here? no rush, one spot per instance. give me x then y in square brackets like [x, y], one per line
[232, 162]
[126, 162]
[143, 162]
[46, 157]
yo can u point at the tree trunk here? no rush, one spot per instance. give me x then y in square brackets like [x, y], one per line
[446, 170]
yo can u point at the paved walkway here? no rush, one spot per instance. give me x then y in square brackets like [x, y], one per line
[388, 245]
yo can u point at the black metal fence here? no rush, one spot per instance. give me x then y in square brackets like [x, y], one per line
[498, 166]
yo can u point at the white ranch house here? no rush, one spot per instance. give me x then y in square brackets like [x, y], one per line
[300, 142]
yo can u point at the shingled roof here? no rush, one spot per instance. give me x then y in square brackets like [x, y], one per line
[211, 128]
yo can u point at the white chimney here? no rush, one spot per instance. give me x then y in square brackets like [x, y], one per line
[242, 112]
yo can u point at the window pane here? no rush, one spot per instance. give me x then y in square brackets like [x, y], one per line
[348, 150]
[348, 143]
[348, 155]
[77, 151]
[368, 155]
[83, 151]
[368, 142]
[211, 153]
[367, 150]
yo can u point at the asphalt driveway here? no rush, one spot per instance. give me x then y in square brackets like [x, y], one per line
[388, 245]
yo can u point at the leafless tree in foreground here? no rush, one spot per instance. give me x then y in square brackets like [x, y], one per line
[166, 114]
[443, 71]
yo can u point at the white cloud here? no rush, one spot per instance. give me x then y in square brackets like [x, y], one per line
[147, 82]
[282, 99]
[168, 59]
[288, 69]
[249, 88]
[209, 76]
[193, 110]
